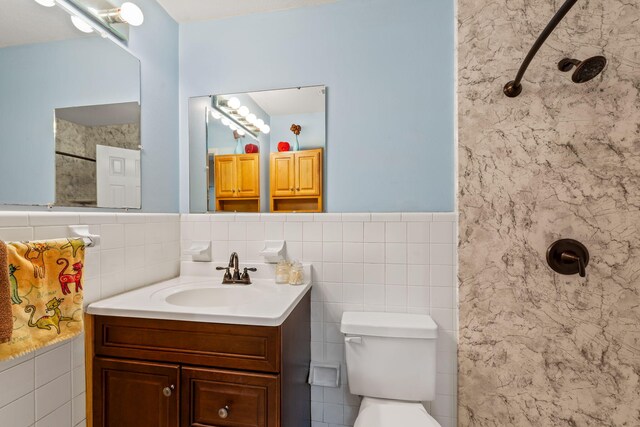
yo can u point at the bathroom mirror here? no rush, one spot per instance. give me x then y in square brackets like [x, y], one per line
[57, 82]
[258, 151]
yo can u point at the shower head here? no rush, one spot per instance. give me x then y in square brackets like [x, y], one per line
[585, 70]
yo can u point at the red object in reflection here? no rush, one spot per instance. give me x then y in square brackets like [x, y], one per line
[283, 146]
[251, 148]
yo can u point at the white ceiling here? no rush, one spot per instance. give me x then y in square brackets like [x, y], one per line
[26, 22]
[291, 101]
[202, 10]
[101, 115]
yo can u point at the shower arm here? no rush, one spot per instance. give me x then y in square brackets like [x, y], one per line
[514, 88]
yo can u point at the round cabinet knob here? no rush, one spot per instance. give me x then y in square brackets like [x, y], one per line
[297, 189]
[167, 391]
[223, 412]
[233, 191]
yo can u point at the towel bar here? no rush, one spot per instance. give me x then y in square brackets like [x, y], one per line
[82, 231]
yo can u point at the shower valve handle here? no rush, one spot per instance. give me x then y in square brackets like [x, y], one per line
[570, 257]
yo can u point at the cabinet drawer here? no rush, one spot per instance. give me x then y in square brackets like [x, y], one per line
[253, 348]
[249, 400]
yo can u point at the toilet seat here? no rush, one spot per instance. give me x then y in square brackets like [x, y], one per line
[393, 413]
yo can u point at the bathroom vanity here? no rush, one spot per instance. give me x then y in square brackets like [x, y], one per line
[192, 352]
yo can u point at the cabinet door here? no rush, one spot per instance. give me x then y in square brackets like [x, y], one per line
[225, 172]
[135, 394]
[282, 174]
[307, 176]
[248, 175]
[214, 397]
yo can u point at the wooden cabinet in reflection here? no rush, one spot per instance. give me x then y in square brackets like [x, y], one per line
[237, 182]
[296, 181]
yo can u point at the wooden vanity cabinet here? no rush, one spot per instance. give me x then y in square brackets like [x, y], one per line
[237, 182]
[166, 373]
[296, 181]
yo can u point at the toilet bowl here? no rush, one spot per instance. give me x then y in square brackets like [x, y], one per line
[393, 413]
[391, 363]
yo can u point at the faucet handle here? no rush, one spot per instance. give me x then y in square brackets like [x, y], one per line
[245, 274]
[227, 273]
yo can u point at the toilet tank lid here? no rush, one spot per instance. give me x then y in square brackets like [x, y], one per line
[394, 325]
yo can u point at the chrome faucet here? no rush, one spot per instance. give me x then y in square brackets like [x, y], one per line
[235, 278]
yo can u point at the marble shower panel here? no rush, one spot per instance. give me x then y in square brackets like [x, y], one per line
[559, 161]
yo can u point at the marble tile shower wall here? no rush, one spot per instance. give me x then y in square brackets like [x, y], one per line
[376, 262]
[48, 386]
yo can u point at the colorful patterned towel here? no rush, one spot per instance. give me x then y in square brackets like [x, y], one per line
[46, 293]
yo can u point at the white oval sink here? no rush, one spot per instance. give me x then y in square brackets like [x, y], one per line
[211, 297]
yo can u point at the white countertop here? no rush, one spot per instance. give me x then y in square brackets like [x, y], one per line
[199, 297]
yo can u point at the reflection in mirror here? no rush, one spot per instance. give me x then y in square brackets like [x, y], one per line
[98, 156]
[264, 151]
[47, 68]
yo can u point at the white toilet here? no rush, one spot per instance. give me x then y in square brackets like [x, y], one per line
[391, 363]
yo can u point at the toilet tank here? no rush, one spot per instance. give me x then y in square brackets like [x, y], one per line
[390, 355]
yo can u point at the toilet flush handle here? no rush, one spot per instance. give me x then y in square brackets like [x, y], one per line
[355, 340]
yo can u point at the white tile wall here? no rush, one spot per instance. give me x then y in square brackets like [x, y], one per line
[47, 387]
[400, 262]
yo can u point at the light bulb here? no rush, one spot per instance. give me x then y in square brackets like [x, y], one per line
[234, 103]
[243, 111]
[216, 114]
[265, 129]
[251, 118]
[81, 24]
[132, 14]
[259, 123]
[46, 3]
[233, 126]
[241, 132]
[226, 121]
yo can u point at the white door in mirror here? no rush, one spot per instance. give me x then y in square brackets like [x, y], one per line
[118, 177]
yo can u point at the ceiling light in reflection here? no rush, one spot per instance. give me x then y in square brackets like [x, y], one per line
[46, 3]
[234, 103]
[81, 24]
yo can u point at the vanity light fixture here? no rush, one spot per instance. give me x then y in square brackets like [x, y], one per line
[237, 116]
[128, 13]
[46, 3]
[216, 114]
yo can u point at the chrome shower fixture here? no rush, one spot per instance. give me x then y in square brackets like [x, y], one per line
[585, 70]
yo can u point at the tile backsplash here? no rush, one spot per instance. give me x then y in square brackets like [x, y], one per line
[396, 262]
[400, 262]
[48, 386]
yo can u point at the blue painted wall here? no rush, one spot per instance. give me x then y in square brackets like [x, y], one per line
[389, 68]
[155, 44]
